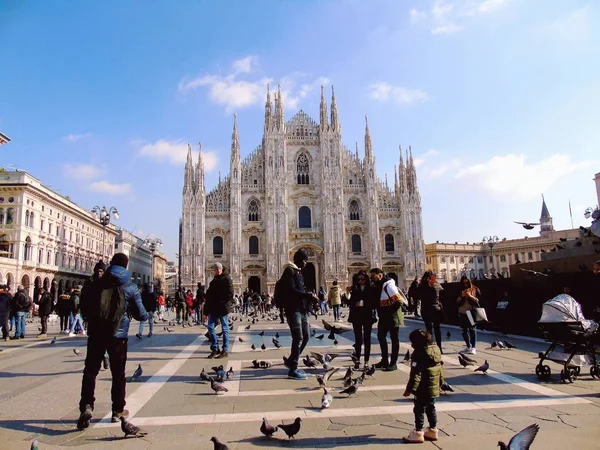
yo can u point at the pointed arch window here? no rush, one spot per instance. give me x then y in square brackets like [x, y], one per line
[389, 243]
[253, 211]
[218, 245]
[303, 169]
[354, 210]
[304, 217]
[356, 243]
[253, 245]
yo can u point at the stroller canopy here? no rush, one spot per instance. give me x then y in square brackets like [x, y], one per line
[562, 308]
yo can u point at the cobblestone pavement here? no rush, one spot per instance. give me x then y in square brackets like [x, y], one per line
[40, 384]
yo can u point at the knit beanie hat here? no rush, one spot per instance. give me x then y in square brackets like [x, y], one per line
[120, 259]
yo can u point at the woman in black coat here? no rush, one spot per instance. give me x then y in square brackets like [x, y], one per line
[362, 313]
[432, 310]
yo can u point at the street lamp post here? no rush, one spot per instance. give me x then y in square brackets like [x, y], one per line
[152, 244]
[491, 241]
[104, 215]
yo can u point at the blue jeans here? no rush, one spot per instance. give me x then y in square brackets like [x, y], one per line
[245, 308]
[336, 312]
[300, 330]
[76, 320]
[214, 339]
[469, 332]
[20, 324]
[150, 323]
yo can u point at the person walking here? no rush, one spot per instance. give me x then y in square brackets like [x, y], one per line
[45, 308]
[335, 298]
[109, 334]
[75, 304]
[21, 305]
[297, 304]
[4, 311]
[413, 297]
[424, 383]
[466, 301]
[432, 310]
[362, 316]
[149, 301]
[160, 300]
[389, 308]
[219, 301]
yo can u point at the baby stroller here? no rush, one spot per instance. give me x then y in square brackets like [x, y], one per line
[562, 323]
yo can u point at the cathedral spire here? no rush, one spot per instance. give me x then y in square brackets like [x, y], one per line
[396, 186]
[356, 150]
[279, 118]
[324, 124]
[413, 173]
[368, 144]
[402, 173]
[235, 141]
[335, 124]
[546, 226]
[268, 111]
[188, 179]
[200, 170]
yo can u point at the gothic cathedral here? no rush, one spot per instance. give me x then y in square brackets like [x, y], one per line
[301, 188]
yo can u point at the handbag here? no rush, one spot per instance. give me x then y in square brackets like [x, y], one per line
[477, 315]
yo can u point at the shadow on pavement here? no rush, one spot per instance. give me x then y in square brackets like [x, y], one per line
[40, 426]
[299, 442]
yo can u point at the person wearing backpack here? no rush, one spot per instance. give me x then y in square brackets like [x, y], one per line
[44, 311]
[113, 300]
[297, 303]
[75, 301]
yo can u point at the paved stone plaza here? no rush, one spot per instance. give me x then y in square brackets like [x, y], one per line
[40, 383]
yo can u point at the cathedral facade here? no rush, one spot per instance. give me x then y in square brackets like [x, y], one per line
[300, 188]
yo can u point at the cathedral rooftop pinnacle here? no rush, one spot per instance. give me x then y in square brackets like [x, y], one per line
[335, 124]
[323, 110]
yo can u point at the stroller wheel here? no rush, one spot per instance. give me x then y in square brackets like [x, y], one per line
[568, 375]
[595, 371]
[543, 372]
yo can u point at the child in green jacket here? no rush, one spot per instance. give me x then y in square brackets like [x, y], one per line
[424, 383]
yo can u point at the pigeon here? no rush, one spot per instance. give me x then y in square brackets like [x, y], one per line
[448, 335]
[247, 328]
[335, 342]
[527, 225]
[203, 376]
[216, 369]
[240, 339]
[309, 362]
[407, 356]
[348, 373]
[463, 362]
[445, 387]
[221, 374]
[169, 330]
[277, 335]
[263, 346]
[483, 368]
[522, 440]
[370, 371]
[253, 347]
[218, 445]
[291, 429]
[359, 380]
[313, 332]
[255, 364]
[76, 351]
[137, 374]
[350, 390]
[261, 334]
[509, 345]
[468, 359]
[130, 429]
[230, 373]
[331, 335]
[326, 399]
[217, 387]
[53, 341]
[267, 429]
[34, 445]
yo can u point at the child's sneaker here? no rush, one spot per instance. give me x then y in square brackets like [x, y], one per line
[415, 437]
[471, 351]
[431, 434]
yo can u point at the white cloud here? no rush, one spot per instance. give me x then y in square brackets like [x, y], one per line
[110, 188]
[487, 6]
[416, 16]
[234, 93]
[83, 171]
[440, 10]
[430, 153]
[512, 175]
[245, 65]
[175, 152]
[76, 137]
[383, 92]
[450, 28]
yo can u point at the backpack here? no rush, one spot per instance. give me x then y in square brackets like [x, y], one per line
[105, 305]
[279, 293]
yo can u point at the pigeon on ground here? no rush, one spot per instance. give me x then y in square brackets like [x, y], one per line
[247, 328]
[261, 334]
[463, 362]
[229, 373]
[445, 387]
[509, 345]
[522, 440]
[240, 339]
[291, 429]
[263, 346]
[265, 364]
[321, 336]
[221, 374]
[77, 352]
[370, 371]
[53, 341]
[137, 374]
[468, 359]
[203, 376]
[255, 364]
[348, 373]
[218, 445]
[448, 335]
[217, 387]
[169, 330]
[350, 390]
[483, 368]
[326, 399]
[276, 343]
[407, 356]
[331, 335]
[313, 332]
[335, 342]
[277, 335]
[130, 429]
[253, 347]
[216, 369]
[267, 429]
[309, 362]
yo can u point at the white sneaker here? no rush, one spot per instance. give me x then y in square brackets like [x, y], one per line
[472, 351]
[72, 334]
[465, 350]
[83, 333]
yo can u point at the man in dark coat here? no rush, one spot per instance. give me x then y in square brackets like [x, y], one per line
[298, 303]
[21, 305]
[149, 301]
[4, 310]
[44, 311]
[200, 299]
[219, 300]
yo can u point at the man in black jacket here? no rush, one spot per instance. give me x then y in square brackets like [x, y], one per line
[149, 301]
[21, 306]
[297, 305]
[4, 310]
[44, 311]
[219, 300]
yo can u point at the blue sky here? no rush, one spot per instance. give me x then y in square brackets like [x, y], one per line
[498, 98]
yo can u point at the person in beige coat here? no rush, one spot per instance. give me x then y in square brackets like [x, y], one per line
[335, 298]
